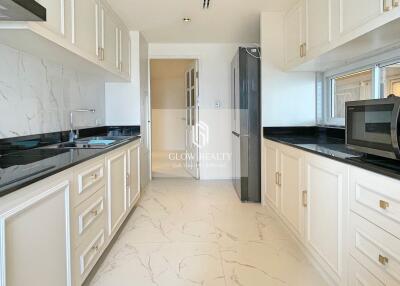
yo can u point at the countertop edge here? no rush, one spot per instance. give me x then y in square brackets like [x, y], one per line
[18, 186]
[364, 166]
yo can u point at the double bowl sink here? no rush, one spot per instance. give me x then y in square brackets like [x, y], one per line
[102, 142]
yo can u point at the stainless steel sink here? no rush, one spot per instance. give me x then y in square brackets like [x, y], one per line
[84, 143]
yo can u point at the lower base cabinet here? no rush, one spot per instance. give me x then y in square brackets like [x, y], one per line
[326, 205]
[53, 232]
[310, 194]
[35, 235]
[358, 275]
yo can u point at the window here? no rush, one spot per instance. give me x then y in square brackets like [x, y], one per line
[350, 87]
[377, 79]
[390, 80]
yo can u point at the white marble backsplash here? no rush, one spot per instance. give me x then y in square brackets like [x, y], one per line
[36, 95]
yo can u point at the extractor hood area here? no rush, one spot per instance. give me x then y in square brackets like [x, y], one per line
[21, 10]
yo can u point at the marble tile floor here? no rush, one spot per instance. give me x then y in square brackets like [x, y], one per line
[187, 232]
[163, 167]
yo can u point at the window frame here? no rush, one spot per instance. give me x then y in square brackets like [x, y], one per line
[325, 101]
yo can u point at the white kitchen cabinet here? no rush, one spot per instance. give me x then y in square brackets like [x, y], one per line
[56, 15]
[109, 38]
[355, 13]
[116, 189]
[376, 198]
[326, 213]
[318, 23]
[124, 54]
[35, 235]
[86, 26]
[291, 193]
[133, 174]
[375, 249]
[294, 33]
[359, 276]
[271, 159]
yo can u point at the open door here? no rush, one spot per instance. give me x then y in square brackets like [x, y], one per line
[192, 163]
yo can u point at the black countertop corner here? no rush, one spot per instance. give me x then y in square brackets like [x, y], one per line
[330, 143]
[24, 161]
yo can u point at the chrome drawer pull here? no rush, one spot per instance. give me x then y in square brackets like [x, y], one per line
[95, 212]
[383, 204]
[95, 248]
[94, 176]
[383, 260]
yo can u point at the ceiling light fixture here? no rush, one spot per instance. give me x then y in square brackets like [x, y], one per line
[187, 20]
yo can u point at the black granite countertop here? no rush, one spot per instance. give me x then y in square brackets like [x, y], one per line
[22, 166]
[330, 143]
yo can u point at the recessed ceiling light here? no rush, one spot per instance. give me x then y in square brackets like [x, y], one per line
[187, 20]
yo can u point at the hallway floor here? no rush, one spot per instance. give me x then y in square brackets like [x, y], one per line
[187, 232]
[164, 167]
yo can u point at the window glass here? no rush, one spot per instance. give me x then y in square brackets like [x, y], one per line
[350, 87]
[390, 80]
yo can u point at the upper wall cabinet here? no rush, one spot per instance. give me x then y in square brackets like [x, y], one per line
[295, 35]
[83, 34]
[337, 31]
[318, 21]
[55, 15]
[354, 13]
[86, 26]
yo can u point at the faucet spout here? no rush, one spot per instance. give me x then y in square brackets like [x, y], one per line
[72, 134]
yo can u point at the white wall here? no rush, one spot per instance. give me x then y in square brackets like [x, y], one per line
[288, 98]
[123, 99]
[214, 85]
[168, 103]
[36, 95]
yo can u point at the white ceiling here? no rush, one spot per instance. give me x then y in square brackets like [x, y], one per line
[226, 21]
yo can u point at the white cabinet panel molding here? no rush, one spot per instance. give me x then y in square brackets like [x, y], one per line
[38, 228]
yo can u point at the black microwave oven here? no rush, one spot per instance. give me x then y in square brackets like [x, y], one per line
[373, 126]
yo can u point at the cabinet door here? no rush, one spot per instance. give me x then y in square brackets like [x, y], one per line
[134, 174]
[294, 33]
[291, 204]
[125, 52]
[358, 275]
[35, 240]
[318, 21]
[116, 190]
[271, 154]
[327, 191]
[55, 10]
[354, 13]
[109, 39]
[85, 34]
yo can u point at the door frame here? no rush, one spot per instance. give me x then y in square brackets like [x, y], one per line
[169, 57]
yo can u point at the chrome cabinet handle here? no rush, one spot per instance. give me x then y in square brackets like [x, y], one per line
[383, 204]
[95, 212]
[383, 260]
[95, 248]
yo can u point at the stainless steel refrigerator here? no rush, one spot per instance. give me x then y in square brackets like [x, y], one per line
[246, 124]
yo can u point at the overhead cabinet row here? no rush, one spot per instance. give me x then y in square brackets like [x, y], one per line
[89, 29]
[315, 27]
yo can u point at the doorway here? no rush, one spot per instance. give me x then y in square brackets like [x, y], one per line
[175, 116]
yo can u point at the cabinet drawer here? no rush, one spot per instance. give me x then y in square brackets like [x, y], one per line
[358, 275]
[375, 249]
[376, 198]
[89, 216]
[87, 255]
[87, 179]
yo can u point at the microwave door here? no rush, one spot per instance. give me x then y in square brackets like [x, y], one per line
[395, 129]
[370, 129]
